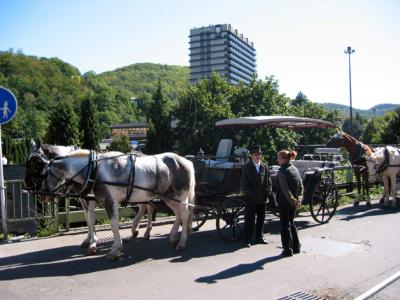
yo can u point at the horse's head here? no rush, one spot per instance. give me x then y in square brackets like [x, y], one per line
[44, 174]
[336, 141]
[36, 166]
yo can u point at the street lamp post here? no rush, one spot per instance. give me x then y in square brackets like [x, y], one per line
[349, 51]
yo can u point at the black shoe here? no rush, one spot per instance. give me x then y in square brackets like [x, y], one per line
[296, 251]
[247, 244]
[287, 253]
[261, 241]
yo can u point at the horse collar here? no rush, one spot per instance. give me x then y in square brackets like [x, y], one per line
[385, 164]
[131, 178]
[91, 174]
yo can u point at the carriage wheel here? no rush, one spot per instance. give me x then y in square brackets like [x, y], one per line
[199, 218]
[324, 200]
[230, 219]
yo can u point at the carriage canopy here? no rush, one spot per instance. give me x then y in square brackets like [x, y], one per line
[290, 122]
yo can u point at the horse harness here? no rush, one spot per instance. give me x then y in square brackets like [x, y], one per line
[91, 179]
[386, 162]
[360, 157]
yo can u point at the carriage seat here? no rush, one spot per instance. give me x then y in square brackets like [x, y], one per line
[224, 150]
[209, 163]
[222, 157]
[309, 166]
[324, 154]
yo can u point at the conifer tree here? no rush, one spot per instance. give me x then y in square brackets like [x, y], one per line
[63, 129]
[89, 125]
[159, 136]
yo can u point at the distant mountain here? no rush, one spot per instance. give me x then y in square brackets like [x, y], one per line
[376, 110]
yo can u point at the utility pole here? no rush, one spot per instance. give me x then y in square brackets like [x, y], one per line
[349, 51]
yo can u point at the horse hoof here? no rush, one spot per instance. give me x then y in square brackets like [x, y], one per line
[135, 234]
[112, 256]
[85, 244]
[146, 237]
[92, 251]
[356, 203]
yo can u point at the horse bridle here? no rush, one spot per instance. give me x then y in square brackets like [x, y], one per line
[38, 174]
[42, 173]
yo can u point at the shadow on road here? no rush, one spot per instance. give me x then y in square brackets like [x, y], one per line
[273, 226]
[238, 270]
[355, 212]
[72, 260]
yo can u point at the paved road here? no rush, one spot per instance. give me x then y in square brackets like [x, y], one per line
[358, 249]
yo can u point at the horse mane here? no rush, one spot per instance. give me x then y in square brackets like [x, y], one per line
[368, 150]
[53, 151]
[351, 138]
[78, 153]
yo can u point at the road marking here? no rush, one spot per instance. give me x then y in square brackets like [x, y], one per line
[379, 287]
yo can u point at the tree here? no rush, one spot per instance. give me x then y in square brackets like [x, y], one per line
[201, 105]
[120, 143]
[263, 98]
[391, 134]
[89, 125]
[302, 107]
[159, 136]
[357, 128]
[63, 128]
[374, 130]
[363, 121]
[300, 99]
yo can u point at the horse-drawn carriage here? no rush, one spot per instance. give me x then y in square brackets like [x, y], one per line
[117, 178]
[218, 180]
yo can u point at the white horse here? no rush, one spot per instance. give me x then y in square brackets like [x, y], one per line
[57, 151]
[385, 161]
[115, 178]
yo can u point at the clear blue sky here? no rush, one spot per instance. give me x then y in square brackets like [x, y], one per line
[301, 43]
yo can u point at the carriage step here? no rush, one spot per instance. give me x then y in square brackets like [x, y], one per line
[301, 296]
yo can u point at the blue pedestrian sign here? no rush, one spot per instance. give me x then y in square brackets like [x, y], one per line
[8, 105]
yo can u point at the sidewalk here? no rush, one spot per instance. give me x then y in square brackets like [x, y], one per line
[339, 260]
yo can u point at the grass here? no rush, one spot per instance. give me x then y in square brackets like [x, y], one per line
[47, 228]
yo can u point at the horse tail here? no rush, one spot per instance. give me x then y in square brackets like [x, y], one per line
[191, 196]
[183, 179]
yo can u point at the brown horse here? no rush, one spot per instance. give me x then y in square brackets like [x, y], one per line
[357, 151]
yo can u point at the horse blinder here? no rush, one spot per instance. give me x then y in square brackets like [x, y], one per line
[36, 171]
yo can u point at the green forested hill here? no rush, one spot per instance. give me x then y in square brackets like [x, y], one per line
[376, 110]
[141, 79]
[42, 84]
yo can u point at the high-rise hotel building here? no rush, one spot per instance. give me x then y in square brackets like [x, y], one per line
[223, 50]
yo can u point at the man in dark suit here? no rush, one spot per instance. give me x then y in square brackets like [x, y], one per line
[256, 185]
